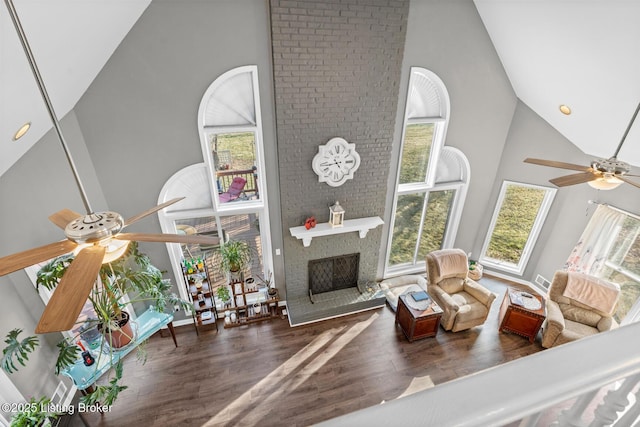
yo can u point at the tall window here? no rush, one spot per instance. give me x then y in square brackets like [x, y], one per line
[226, 193]
[234, 165]
[515, 225]
[622, 265]
[432, 179]
[609, 248]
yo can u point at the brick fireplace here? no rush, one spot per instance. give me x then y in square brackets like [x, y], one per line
[333, 273]
[336, 70]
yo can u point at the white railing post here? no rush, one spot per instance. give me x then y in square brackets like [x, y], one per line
[614, 401]
[573, 416]
[633, 413]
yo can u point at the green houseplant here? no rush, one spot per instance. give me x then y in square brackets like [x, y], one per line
[234, 256]
[35, 413]
[132, 276]
[223, 294]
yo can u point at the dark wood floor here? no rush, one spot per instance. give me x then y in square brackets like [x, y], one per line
[269, 374]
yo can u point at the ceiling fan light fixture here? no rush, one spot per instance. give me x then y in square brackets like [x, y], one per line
[114, 249]
[22, 131]
[605, 183]
[565, 109]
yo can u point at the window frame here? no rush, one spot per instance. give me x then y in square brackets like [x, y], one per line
[534, 233]
[428, 184]
[45, 295]
[450, 232]
[207, 132]
[169, 217]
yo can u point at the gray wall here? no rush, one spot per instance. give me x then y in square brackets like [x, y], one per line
[39, 184]
[139, 116]
[139, 122]
[337, 73]
[530, 136]
[448, 38]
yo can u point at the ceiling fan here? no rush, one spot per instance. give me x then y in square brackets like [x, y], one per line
[95, 237]
[603, 174]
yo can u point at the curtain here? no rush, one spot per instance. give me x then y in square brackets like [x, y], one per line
[590, 253]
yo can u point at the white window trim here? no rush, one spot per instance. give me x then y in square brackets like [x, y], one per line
[205, 131]
[218, 210]
[543, 211]
[449, 234]
[429, 185]
[45, 295]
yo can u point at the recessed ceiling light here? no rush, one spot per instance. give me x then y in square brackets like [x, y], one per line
[23, 129]
[564, 109]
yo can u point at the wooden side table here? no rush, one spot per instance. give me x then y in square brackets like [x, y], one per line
[518, 319]
[417, 324]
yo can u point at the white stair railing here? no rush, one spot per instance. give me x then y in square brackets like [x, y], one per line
[529, 390]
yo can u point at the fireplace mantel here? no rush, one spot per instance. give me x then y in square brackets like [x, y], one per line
[361, 225]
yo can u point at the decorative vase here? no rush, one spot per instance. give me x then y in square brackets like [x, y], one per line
[257, 307]
[234, 317]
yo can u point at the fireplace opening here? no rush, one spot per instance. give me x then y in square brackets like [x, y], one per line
[334, 273]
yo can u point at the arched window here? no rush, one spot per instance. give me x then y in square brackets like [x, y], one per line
[432, 179]
[227, 193]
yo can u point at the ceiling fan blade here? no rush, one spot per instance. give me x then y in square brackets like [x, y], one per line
[67, 301]
[150, 211]
[576, 178]
[169, 238]
[554, 164]
[628, 181]
[20, 260]
[64, 217]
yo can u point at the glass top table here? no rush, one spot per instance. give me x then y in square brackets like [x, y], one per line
[144, 326]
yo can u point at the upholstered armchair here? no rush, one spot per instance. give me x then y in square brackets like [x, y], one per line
[465, 303]
[578, 306]
[400, 285]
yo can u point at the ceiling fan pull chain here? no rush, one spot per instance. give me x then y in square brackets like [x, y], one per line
[45, 96]
[626, 131]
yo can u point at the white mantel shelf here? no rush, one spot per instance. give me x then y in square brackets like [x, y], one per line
[361, 225]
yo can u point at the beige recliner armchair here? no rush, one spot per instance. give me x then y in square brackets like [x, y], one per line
[578, 306]
[464, 302]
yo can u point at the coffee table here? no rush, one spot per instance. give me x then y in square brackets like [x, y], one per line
[519, 319]
[417, 323]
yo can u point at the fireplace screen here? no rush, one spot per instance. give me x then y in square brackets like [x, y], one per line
[334, 273]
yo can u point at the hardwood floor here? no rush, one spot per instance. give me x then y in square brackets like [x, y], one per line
[269, 374]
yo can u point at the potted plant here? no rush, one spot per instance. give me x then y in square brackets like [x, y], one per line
[234, 256]
[35, 413]
[268, 284]
[132, 275]
[223, 294]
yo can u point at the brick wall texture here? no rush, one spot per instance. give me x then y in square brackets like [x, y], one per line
[337, 66]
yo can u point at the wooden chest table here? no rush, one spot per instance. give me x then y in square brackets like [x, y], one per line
[415, 323]
[518, 319]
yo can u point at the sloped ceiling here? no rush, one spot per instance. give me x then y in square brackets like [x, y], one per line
[585, 54]
[71, 41]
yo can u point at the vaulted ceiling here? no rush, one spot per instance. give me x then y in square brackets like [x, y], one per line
[581, 54]
[71, 41]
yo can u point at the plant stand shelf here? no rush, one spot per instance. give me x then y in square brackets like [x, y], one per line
[204, 310]
[242, 304]
[361, 225]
